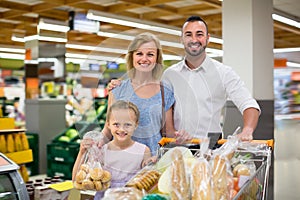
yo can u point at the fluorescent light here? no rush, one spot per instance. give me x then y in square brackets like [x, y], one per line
[37, 37]
[286, 20]
[52, 27]
[45, 38]
[284, 50]
[292, 64]
[12, 56]
[94, 57]
[129, 37]
[17, 39]
[12, 50]
[136, 23]
[114, 19]
[96, 48]
[115, 35]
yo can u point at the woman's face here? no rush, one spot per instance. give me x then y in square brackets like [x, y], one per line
[145, 57]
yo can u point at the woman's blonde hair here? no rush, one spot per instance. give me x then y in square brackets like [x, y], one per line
[135, 44]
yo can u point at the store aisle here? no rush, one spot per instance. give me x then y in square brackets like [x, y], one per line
[287, 159]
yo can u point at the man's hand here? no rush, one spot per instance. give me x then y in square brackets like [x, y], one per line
[246, 135]
[112, 84]
[182, 136]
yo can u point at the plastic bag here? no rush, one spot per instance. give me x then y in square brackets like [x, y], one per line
[123, 193]
[90, 175]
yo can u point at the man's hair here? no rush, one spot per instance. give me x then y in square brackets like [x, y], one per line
[194, 18]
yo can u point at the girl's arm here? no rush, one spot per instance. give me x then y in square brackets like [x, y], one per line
[84, 145]
[147, 157]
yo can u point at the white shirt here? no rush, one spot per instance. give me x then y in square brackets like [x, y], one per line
[201, 93]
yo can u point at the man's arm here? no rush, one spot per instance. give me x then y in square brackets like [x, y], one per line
[250, 118]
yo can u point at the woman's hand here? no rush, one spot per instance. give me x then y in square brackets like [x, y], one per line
[112, 84]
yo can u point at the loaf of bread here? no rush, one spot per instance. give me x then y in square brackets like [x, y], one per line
[200, 181]
[219, 178]
[179, 183]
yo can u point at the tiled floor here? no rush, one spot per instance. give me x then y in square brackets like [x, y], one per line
[287, 159]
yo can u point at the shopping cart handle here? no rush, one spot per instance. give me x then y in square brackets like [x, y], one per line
[270, 142]
[166, 140]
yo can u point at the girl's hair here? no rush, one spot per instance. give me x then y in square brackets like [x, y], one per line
[121, 104]
[135, 44]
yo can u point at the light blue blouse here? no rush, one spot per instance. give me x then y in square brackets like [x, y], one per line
[148, 131]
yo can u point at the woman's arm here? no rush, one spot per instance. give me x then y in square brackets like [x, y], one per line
[107, 136]
[171, 132]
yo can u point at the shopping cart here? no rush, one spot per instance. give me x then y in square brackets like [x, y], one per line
[255, 188]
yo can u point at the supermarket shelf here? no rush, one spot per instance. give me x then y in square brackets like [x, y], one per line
[21, 157]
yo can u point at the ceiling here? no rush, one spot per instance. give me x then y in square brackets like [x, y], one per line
[20, 18]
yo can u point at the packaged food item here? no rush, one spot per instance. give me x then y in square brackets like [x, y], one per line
[221, 177]
[179, 183]
[90, 175]
[145, 179]
[129, 193]
[201, 180]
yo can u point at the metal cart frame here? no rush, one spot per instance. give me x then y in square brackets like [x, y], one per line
[256, 187]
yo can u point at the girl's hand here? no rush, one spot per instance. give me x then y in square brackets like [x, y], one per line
[149, 161]
[85, 144]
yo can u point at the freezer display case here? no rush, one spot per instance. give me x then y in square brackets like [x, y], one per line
[12, 186]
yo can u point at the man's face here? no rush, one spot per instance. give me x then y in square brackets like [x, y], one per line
[194, 38]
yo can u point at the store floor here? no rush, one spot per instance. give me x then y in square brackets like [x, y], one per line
[287, 159]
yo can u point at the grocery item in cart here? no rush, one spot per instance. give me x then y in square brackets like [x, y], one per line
[144, 180]
[123, 193]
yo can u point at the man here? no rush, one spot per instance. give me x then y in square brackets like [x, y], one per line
[202, 86]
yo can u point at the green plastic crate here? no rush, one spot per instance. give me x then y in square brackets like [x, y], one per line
[62, 169]
[63, 152]
[33, 140]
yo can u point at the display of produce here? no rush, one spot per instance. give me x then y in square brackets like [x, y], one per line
[14, 144]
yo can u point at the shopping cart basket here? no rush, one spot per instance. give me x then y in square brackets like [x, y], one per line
[255, 188]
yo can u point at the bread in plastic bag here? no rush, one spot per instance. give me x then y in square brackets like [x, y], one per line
[90, 175]
[180, 183]
[129, 193]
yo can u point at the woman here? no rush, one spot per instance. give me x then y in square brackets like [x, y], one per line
[144, 89]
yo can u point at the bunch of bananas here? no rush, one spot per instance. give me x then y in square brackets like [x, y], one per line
[13, 142]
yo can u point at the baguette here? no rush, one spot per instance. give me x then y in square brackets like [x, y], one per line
[179, 183]
[200, 181]
[219, 178]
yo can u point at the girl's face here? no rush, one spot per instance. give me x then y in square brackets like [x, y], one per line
[145, 57]
[122, 124]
